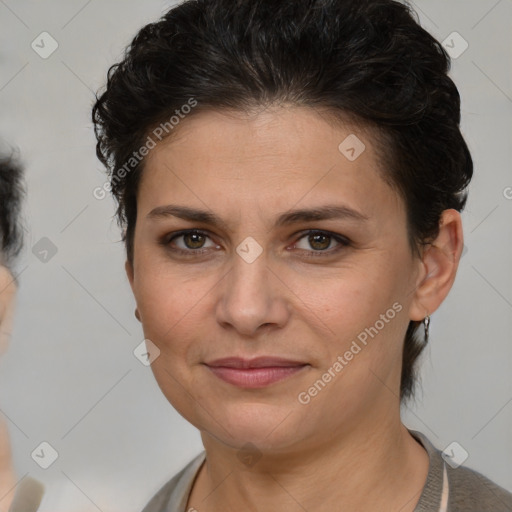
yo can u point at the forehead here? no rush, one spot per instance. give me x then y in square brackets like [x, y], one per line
[276, 133]
[279, 156]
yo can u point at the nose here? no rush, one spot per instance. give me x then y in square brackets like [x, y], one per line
[252, 298]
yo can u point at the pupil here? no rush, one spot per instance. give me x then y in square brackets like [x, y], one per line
[195, 244]
[316, 241]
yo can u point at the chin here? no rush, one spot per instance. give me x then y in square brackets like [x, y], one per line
[265, 426]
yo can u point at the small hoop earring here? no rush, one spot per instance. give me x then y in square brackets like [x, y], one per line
[426, 325]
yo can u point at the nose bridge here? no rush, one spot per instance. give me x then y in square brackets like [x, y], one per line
[248, 280]
[249, 297]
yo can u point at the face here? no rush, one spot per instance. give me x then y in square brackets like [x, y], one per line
[7, 296]
[257, 280]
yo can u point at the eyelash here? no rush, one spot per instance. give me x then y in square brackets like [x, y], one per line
[342, 241]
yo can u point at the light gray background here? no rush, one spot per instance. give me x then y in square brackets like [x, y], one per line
[70, 377]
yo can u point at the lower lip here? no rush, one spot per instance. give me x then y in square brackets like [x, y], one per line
[254, 377]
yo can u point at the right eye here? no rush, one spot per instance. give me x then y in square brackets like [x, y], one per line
[192, 242]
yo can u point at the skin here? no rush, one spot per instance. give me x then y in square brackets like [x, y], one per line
[7, 301]
[202, 307]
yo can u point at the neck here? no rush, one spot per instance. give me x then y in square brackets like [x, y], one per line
[377, 466]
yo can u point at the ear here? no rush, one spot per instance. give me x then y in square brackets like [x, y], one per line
[129, 272]
[8, 476]
[439, 263]
[8, 289]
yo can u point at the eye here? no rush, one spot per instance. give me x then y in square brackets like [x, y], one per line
[189, 242]
[321, 242]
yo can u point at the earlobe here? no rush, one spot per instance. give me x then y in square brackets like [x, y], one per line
[129, 272]
[440, 261]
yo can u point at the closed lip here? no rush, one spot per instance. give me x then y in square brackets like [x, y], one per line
[257, 362]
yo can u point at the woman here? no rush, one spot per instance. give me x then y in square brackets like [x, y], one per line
[290, 177]
[28, 494]
[11, 192]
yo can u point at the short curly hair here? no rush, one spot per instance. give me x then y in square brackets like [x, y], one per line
[11, 195]
[365, 60]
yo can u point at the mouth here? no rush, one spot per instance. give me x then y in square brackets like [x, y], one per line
[255, 373]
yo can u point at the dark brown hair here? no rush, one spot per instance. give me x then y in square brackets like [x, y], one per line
[11, 196]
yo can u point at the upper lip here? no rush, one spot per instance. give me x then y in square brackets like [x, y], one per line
[257, 362]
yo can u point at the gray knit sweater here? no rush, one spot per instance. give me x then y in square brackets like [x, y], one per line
[446, 489]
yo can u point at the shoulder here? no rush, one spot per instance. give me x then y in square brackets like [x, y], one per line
[173, 495]
[467, 489]
[470, 489]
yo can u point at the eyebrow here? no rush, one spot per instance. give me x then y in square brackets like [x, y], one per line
[287, 218]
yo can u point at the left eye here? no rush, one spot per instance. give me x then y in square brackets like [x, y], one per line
[320, 241]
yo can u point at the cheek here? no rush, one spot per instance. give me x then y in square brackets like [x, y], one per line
[362, 319]
[347, 304]
[173, 309]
